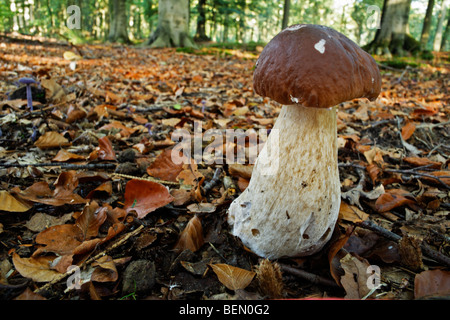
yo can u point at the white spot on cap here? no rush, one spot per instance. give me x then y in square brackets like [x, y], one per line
[294, 99]
[373, 80]
[320, 46]
[294, 27]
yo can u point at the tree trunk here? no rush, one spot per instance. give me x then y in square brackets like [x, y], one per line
[446, 34]
[201, 22]
[390, 38]
[118, 31]
[440, 27]
[286, 9]
[173, 28]
[427, 24]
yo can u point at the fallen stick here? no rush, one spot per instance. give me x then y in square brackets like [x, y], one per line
[61, 165]
[426, 249]
[101, 254]
[313, 278]
[215, 179]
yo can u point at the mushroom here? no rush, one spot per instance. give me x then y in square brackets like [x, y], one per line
[28, 82]
[291, 204]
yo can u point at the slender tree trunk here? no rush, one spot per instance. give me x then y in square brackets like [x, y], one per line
[173, 27]
[440, 27]
[201, 22]
[118, 31]
[390, 38]
[427, 24]
[286, 10]
[446, 34]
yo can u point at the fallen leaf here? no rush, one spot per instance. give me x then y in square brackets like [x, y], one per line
[391, 200]
[408, 130]
[145, 196]
[351, 213]
[203, 207]
[232, 277]
[40, 192]
[91, 219]
[164, 168]
[191, 237]
[11, 204]
[103, 189]
[181, 196]
[105, 149]
[432, 283]
[37, 269]
[410, 252]
[51, 139]
[419, 162]
[356, 277]
[41, 221]
[105, 270]
[123, 130]
[61, 239]
[63, 156]
[29, 295]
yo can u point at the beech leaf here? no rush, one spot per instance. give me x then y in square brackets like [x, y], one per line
[11, 204]
[145, 196]
[37, 269]
[51, 139]
[192, 236]
[432, 283]
[232, 277]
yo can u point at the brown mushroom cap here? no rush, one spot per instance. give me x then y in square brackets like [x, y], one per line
[315, 66]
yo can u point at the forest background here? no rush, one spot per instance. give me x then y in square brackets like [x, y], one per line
[423, 23]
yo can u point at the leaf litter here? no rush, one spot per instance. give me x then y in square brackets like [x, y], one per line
[87, 180]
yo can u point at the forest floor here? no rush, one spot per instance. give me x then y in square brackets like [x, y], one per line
[87, 180]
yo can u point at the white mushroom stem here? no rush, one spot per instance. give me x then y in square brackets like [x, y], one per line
[292, 202]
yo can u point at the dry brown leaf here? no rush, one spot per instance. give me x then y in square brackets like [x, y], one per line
[124, 131]
[145, 196]
[105, 149]
[410, 252]
[191, 238]
[190, 175]
[51, 139]
[40, 192]
[29, 295]
[351, 213]
[432, 283]
[203, 207]
[91, 219]
[392, 199]
[11, 204]
[419, 162]
[164, 168]
[181, 196]
[37, 269]
[61, 239]
[232, 277]
[356, 276]
[103, 189]
[106, 270]
[408, 130]
[63, 156]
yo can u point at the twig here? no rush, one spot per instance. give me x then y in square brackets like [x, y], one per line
[416, 174]
[426, 249]
[215, 179]
[170, 183]
[61, 165]
[115, 245]
[313, 278]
